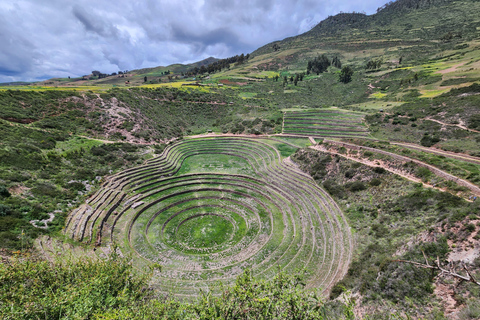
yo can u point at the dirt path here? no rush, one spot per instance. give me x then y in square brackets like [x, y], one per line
[450, 125]
[473, 188]
[451, 69]
[381, 164]
[447, 154]
[461, 126]
[213, 134]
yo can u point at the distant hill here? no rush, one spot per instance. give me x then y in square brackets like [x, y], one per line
[176, 68]
[403, 20]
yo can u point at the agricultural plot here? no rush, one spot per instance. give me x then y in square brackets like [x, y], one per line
[324, 123]
[207, 209]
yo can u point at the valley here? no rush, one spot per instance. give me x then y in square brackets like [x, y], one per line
[282, 167]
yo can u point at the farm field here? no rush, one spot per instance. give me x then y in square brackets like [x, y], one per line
[324, 123]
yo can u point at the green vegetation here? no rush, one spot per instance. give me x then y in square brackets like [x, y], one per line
[465, 168]
[109, 289]
[386, 217]
[48, 172]
[436, 121]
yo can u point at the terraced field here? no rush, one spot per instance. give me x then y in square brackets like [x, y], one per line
[207, 209]
[324, 123]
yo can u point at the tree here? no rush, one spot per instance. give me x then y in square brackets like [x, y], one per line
[336, 62]
[319, 64]
[374, 64]
[145, 79]
[346, 74]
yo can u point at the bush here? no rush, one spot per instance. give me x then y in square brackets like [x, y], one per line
[346, 74]
[4, 210]
[4, 191]
[349, 174]
[400, 280]
[423, 173]
[375, 182]
[379, 170]
[470, 227]
[77, 186]
[69, 290]
[334, 189]
[428, 141]
[357, 186]
[109, 289]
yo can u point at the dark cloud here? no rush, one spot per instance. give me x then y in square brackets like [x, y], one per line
[57, 38]
[94, 23]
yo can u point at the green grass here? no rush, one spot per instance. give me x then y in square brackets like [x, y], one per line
[285, 150]
[203, 232]
[299, 142]
[219, 163]
[76, 144]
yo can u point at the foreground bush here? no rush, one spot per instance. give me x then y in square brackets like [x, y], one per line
[37, 289]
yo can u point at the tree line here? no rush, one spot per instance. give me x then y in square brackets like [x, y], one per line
[219, 65]
[321, 63]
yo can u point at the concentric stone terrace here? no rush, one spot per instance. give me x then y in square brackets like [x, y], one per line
[207, 209]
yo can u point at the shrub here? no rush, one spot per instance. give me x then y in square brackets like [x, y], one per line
[110, 289]
[357, 186]
[4, 191]
[349, 174]
[423, 173]
[77, 186]
[4, 210]
[379, 170]
[334, 189]
[428, 141]
[470, 227]
[375, 182]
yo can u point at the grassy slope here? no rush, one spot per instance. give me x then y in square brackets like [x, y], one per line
[393, 218]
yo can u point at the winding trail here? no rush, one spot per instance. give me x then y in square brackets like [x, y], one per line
[472, 187]
[447, 154]
[450, 124]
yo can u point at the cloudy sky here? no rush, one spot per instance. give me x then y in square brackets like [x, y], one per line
[60, 38]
